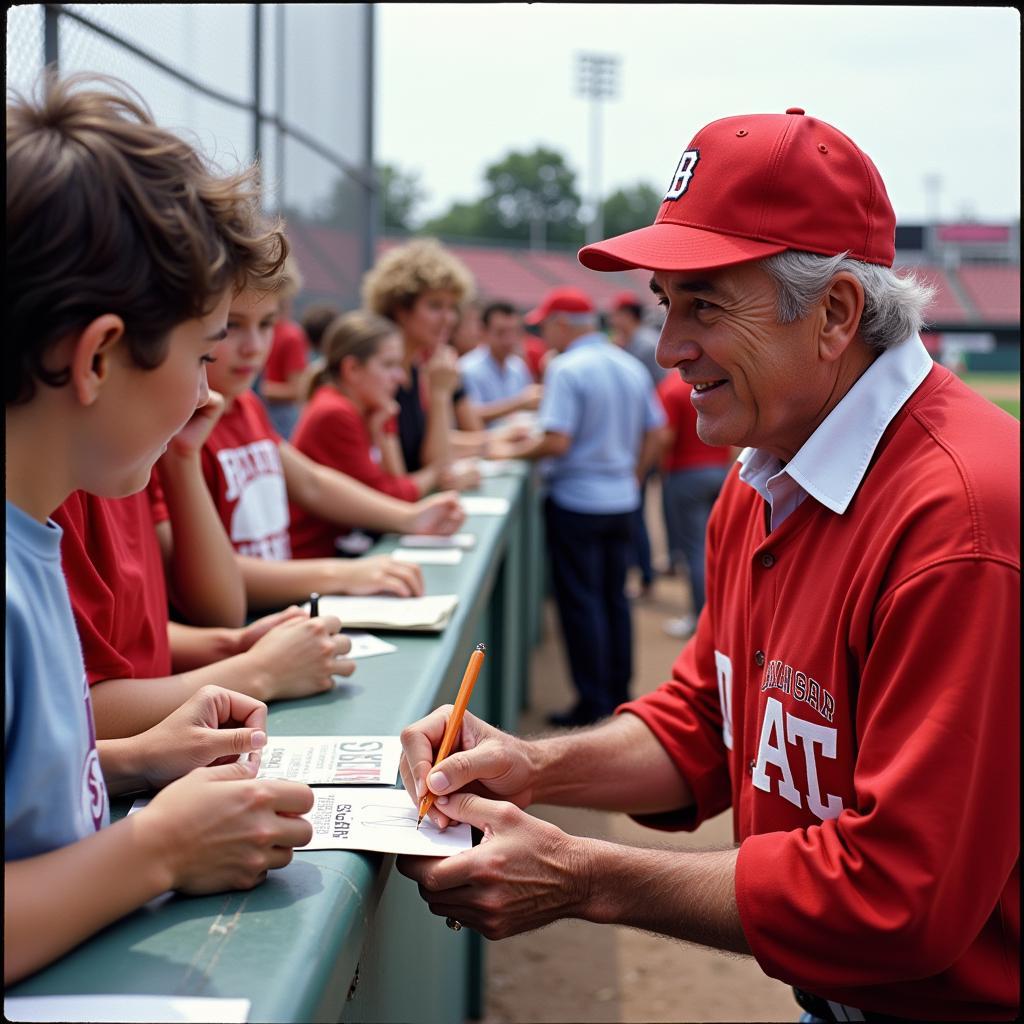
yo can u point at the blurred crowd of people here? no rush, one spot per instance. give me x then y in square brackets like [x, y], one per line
[406, 393]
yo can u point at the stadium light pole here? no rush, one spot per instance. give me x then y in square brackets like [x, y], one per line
[597, 80]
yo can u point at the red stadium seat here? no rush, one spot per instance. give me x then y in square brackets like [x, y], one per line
[994, 290]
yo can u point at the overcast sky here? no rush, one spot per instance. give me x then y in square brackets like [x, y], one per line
[923, 90]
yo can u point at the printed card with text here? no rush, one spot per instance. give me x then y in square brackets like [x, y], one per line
[332, 760]
[383, 820]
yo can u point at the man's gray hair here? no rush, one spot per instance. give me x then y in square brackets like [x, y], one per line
[894, 304]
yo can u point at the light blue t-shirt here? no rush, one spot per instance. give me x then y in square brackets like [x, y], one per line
[486, 381]
[603, 399]
[53, 786]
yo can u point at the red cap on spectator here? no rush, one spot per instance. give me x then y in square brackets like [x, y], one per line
[624, 299]
[751, 186]
[560, 300]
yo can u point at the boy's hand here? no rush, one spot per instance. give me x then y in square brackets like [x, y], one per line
[299, 656]
[438, 514]
[248, 635]
[190, 439]
[379, 574]
[225, 829]
[213, 726]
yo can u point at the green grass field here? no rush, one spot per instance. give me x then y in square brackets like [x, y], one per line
[1001, 388]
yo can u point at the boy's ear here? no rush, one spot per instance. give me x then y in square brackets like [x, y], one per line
[91, 356]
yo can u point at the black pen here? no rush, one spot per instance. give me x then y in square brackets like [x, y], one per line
[314, 605]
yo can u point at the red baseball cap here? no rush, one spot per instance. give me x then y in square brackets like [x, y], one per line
[751, 186]
[623, 299]
[560, 300]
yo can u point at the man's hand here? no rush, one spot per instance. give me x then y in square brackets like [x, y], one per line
[213, 726]
[487, 761]
[439, 514]
[531, 396]
[525, 873]
[379, 574]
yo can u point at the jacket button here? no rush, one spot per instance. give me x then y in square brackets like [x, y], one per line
[767, 559]
[759, 657]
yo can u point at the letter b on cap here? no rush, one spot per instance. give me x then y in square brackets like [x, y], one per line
[684, 172]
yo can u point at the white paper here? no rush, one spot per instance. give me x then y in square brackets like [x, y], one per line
[158, 1009]
[482, 505]
[428, 556]
[419, 614]
[497, 467]
[429, 540]
[332, 760]
[366, 645]
[383, 820]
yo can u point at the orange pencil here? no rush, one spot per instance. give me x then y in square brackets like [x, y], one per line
[476, 659]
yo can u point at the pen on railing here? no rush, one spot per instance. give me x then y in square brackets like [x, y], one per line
[314, 605]
[476, 659]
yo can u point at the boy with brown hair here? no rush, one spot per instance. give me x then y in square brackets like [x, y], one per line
[123, 252]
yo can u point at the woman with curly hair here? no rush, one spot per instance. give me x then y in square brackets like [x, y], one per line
[420, 286]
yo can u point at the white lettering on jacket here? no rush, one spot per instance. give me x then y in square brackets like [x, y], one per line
[781, 730]
[723, 669]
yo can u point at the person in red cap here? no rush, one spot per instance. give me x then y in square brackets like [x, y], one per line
[852, 688]
[600, 424]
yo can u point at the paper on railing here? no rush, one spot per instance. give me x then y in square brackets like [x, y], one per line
[465, 541]
[418, 614]
[483, 505]
[332, 760]
[161, 1009]
[366, 645]
[383, 820]
[428, 556]
[497, 467]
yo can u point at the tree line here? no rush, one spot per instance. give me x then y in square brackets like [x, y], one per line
[528, 197]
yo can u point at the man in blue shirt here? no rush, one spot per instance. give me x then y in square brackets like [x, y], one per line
[494, 375]
[601, 424]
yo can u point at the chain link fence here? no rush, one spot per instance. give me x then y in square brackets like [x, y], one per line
[291, 84]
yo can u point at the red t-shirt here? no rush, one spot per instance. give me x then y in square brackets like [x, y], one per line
[688, 450]
[332, 432]
[852, 692]
[289, 352]
[115, 575]
[534, 351]
[242, 467]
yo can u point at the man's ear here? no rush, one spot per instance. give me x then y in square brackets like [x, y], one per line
[91, 355]
[841, 308]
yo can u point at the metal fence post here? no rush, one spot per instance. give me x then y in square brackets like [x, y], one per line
[51, 18]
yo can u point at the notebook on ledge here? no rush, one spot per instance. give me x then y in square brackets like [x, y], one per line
[419, 614]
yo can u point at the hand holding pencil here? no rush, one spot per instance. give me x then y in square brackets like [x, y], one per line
[476, 660]
[491, 763]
